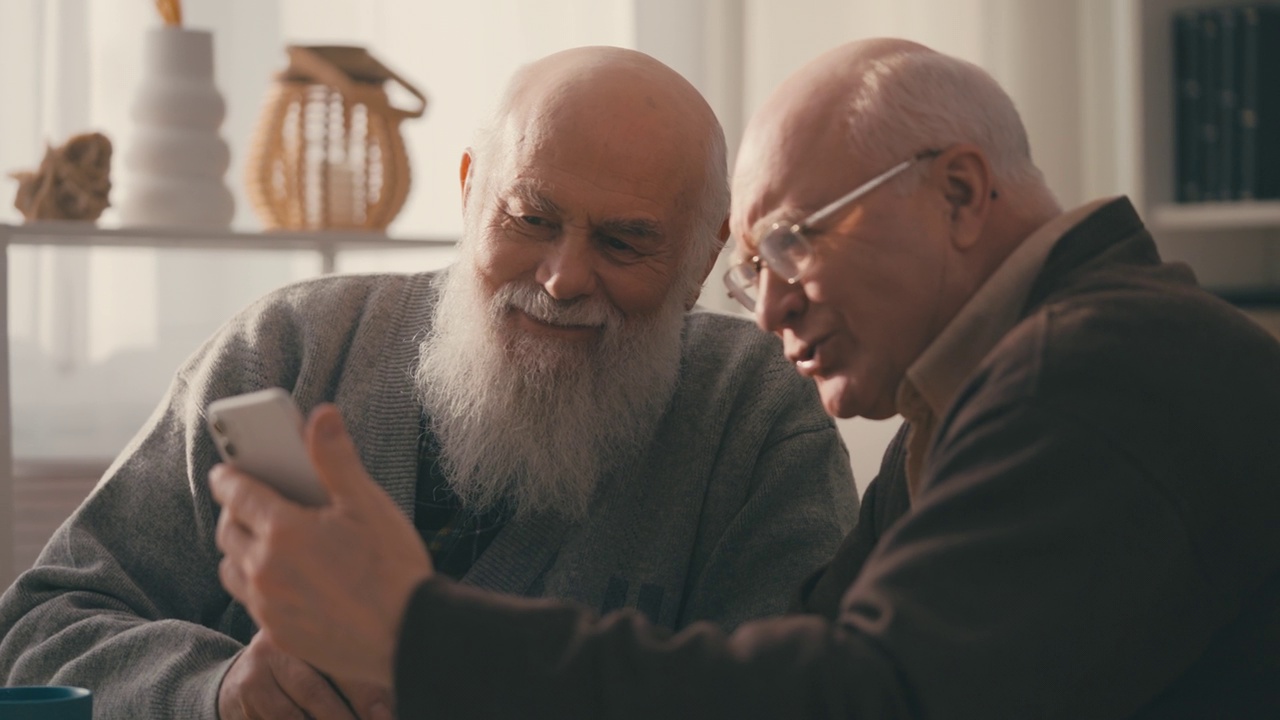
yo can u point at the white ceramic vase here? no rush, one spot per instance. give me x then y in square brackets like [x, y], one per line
[175, 160]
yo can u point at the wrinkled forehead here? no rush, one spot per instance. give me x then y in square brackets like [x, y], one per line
[785, 171]
[614, 148]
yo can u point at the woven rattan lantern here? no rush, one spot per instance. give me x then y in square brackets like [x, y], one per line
[327, 153]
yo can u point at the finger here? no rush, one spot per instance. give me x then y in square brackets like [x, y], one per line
[251, 691]
[334, 454]
[237, 545]
[370, 702]
[236, 583]
[268, 701]
[309, 689]
[232, 536]
[224, 485]
[237, 579]
[251, 503]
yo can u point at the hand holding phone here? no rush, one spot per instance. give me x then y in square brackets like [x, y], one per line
[260, 433]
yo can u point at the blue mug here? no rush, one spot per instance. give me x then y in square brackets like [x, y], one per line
[46, 702]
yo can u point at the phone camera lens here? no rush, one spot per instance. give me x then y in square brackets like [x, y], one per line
[230, 449]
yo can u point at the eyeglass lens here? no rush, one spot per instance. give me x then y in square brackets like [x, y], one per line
[785, 251]
[743, 282]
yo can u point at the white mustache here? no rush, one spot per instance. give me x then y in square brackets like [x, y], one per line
[532, 300]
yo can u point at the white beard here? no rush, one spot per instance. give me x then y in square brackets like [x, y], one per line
[532, 424]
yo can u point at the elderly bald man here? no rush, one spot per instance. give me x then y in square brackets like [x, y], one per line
[572, 429]
[1078, 520]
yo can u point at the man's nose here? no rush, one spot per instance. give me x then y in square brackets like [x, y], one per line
[568, 269]
[778, 303]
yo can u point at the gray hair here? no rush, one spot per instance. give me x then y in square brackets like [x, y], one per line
[713, 205]
[915, 99]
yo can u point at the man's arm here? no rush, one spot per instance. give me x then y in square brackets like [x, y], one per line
[125, 598]
[545, 659]
[465, 652]
[1040, 575]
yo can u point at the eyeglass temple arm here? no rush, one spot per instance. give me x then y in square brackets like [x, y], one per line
[875, 182]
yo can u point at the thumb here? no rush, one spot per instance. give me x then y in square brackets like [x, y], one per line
[333, 454]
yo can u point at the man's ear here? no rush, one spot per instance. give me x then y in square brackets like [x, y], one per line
[969, 189]
[722, 235]
[464, 176]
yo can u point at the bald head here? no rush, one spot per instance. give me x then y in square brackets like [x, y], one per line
[626, 110]
[585, 85]
[887, 271]
[872, 103]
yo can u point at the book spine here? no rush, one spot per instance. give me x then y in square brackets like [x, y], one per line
[1268, 99]
[1210, 82]
[1250, 38]
[1227, 108]
[1186, 63]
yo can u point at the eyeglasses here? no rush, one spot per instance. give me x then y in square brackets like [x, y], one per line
[786, 250]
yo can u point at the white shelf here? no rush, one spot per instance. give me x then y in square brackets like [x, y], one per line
[68, 233]
[1255, 215]
[327, 243]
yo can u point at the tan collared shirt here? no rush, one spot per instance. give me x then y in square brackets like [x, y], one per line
[933, 380]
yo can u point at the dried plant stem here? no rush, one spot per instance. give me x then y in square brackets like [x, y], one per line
[171, 11]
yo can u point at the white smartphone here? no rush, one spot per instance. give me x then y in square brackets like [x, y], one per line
[260, 433]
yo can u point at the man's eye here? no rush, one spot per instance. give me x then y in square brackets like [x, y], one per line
[614, 243]
[784, 241]
[534, 221]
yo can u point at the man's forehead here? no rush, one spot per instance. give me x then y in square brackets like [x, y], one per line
[766, 201]
[648, 160]
[638, 217]
[754, 197]
[779, 174]
[796, 144]
[533, 190]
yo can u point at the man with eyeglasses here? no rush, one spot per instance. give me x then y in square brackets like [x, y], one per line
[1078, 519]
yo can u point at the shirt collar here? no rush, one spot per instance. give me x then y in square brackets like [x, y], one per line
[935, 377]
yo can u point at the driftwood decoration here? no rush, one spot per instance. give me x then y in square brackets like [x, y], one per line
[327, 152]
[72, 183]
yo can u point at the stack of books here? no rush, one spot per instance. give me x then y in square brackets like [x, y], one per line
[1227, 103]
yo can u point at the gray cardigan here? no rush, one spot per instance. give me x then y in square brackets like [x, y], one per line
[747, 488]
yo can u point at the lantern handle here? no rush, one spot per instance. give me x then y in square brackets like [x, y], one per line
[422, 99]
[311, 63]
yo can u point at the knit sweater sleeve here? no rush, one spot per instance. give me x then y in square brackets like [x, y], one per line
[125, 598]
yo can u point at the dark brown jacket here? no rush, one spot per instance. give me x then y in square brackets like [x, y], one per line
[1097, 536]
